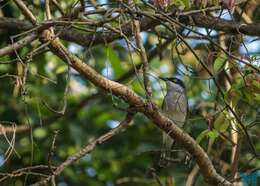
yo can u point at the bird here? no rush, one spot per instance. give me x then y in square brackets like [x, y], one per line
[175, 105]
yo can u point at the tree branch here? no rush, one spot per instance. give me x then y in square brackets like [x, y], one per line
[200, 20]
[142, 52]
[87, 149]
[17, 45]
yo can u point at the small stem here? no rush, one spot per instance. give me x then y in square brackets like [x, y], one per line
[142, 52]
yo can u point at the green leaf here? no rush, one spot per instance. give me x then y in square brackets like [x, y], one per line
[219, 63]
[61, 69]
[213, 134]
[40, 133]
[115, 62]
[256, 84]
[257, 97]
[221, 123]
[186, 3]
[202, 135]
[182, 3]
[233, 96]
[248, 96]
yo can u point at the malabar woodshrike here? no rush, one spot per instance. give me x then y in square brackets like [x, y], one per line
[175, 108]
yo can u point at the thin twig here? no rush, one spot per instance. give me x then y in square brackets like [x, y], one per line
[142, 52]
[26, 11]
[88, 148]
[24, 171]
[52, 149]
[17, 45]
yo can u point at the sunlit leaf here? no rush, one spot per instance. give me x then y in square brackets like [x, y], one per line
[233, 96]
[40, 133]
[221, 123]
[61, 69]
[182, 3]
[213, 134]
[219, 63]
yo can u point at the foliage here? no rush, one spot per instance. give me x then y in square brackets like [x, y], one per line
[214, 80]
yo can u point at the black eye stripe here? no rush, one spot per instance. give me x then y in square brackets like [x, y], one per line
[177, 81]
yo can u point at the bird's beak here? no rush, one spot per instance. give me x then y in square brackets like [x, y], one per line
[162, 78]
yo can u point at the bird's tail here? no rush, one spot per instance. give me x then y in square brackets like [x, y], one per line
[166, 153]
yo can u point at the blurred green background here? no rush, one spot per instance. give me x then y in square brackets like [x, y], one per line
[89, 112]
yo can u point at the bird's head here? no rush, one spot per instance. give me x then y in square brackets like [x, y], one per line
[174, 83]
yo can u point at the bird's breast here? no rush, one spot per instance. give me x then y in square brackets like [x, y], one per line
[175, 107]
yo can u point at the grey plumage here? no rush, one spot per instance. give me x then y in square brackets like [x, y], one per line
[175, 108]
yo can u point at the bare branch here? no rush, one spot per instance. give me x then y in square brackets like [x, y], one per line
[142, 52]
[17, 45]
[200, 20]
[25, 11]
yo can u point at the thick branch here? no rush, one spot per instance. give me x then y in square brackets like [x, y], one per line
[7, 130]
[229, 27]
[84, 39]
